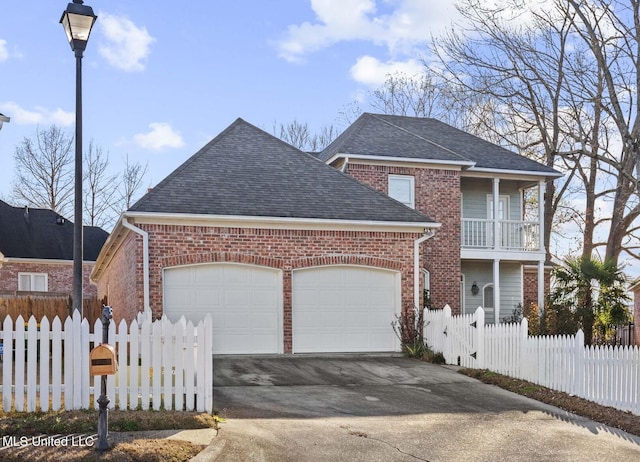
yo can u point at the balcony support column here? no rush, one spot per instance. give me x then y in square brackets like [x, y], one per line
[540, 288]
[496, 290]
[496, 213]
[541, 187]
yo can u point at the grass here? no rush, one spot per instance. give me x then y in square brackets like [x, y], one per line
[606, 415]
[127, 446]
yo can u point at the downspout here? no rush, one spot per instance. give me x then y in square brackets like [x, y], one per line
[428, 234]
[145, 259]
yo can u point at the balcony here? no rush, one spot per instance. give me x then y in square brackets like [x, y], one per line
[514, 235]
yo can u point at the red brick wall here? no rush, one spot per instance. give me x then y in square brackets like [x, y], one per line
[122, 282]
[530, 286]
[60, 276]
[173, 245]
[438, 196]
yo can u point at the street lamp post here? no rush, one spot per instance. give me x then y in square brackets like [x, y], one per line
[77, 21]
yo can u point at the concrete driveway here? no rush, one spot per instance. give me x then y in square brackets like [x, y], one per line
[383, 408]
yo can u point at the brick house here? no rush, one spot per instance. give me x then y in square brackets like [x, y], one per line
[36, 253]
[287, 254]
[291, 255]
[462, 182]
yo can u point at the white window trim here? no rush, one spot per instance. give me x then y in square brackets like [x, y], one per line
[411, 180]
[504, 198]
[32, 276]
[484, 296]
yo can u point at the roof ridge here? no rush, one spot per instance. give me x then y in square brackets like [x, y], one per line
[190, 160]
[415, 135]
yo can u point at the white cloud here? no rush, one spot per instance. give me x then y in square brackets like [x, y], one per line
[400, 30]
[4, 54]
[161, 136]
[39, 115]
[128, 45]
[372, 72]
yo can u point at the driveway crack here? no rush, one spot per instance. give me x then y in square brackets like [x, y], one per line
[361, 434]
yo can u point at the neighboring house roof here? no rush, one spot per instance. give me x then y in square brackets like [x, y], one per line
[43, 234]
[245, 171]
[425, 139]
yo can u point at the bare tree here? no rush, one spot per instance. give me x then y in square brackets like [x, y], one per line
[411, 95]
[563, 83]
[611, 29]
[349, 113]
[299, 135]
[44, 178]
[99, 186]
[131, 180]
[44, 171]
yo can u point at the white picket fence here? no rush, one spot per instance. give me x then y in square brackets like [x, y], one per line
[160, 365]
[603, 374]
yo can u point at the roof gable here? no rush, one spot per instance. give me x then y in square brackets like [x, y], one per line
[425, 139]
[43, 234]
[244, 171]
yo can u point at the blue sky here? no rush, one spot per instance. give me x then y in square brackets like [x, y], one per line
[160, 79]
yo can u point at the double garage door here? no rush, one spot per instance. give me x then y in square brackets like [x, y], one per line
[334, 308]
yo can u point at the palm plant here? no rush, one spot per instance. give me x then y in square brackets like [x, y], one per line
[591, 292]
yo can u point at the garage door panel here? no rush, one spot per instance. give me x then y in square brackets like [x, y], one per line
[238, 321]
[263, 321]
[205, 296]
[306, 319]
[328, 299]
[353, 318]
[236, 298]
[235, 275]
[332, 319]
[358, 298]
[378, 319]
[264, 297]
[344, 309]
[179, 296]
[245, 303]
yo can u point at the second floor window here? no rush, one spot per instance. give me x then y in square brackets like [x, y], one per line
[401, 188]
[32, 282]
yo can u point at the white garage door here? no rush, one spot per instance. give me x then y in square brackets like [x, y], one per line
[245, 303]
[344, 309]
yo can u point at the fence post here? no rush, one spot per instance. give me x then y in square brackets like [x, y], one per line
[480, 327]
[522, 341]
[446, 328]
[579, 365]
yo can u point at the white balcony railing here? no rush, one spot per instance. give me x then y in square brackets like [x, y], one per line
[513, 234]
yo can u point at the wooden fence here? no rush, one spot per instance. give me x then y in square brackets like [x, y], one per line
[41, 304]
[603, 374]
[160, 365]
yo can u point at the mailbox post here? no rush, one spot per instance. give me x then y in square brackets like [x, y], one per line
[103, 401]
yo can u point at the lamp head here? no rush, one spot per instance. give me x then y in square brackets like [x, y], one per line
[3, 119]
[77, 21]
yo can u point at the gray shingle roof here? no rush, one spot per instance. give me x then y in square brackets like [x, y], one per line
[425, 139]
[244, 171]
[35, 233]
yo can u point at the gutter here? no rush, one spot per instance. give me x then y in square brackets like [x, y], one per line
[145, 259]
[428, 234]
